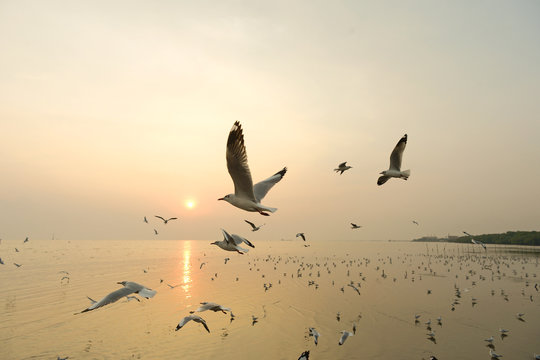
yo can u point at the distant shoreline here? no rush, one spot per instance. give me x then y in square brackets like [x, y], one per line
[527, 238]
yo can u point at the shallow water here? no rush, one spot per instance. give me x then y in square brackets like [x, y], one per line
[37, 318]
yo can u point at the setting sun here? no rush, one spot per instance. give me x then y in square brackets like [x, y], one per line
[190, 204]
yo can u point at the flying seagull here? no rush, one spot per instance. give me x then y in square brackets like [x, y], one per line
[25, 240]
[315, 334]
[129, 288]
[415, 222]
[1, 262]
[211, 306]
[195, 318]
[145, 220]
[246, 196]
[476, 242]
[466, 233]
[395, 164]
[17, 265]
[301, 235]
[344, 337]
[165, 220]
[155, 232]
[342, 168]
[232, 242]
[304, 356]
[354, 226]
[253, 226]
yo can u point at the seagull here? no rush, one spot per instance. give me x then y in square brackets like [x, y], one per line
[61, 358]
[415, 222]
[503, 331]
[301, 235]
[195, 318]
[344, 337]
[476, 242]
[173, 286]
[25, 240]
[253, 227]
[231, 242]
[211, 306]
[1, 262]
[536, 357]
[342, 168]
[165, 220]
[354, 226]
[494, 355]
[466, 233]
[315, 334]
[304, 356]
[520, 316]
[17, 265]
[129, 288]
[395, 164]
[246, 196]
[489, 340]
[145, 220]
[226, 259]
[155, 232]
[202, 264]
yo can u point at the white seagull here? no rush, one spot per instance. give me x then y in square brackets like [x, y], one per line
[301, 235]
[211, 306]
[476, 242]
[232, 242]
[315, 334]
[188, 318]
[394, 171]
[129, 288]
[165, 220]
[253, 226]
[354, 226]
[344, 337]
[342, 168]
[246, 196]
[494, 355]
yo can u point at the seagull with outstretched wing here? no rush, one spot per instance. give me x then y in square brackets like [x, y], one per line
[394, 171]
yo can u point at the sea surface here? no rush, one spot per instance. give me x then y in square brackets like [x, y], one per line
[289, 288]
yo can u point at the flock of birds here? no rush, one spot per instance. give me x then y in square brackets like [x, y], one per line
[248, 196]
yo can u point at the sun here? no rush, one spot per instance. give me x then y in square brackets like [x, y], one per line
[190, 204]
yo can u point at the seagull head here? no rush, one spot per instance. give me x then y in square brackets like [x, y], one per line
[227, 198]
[122, 283]
[214, 243]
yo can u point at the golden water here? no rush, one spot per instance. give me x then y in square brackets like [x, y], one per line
[37, 308]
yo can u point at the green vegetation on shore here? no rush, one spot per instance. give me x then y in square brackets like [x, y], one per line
[507, 238]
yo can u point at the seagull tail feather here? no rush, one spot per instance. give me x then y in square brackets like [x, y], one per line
[405, 174]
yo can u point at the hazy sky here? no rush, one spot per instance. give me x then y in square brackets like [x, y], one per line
[113, 110]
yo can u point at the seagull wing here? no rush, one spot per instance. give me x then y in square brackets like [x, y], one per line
[159, 217]
[228, 238]
[183, 322]
[397, 154]
[343, 164]
[109, 299]
[261, 188]
[239, 240]
[250, 223]
[237, 163]
[171, 219]
[301, 235]
[382, 179]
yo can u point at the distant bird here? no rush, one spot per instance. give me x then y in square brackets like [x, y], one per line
[61, 358]
[494, 355]
[165, 220]
[129, 288]
[354, 226]
[520, 316]
[202, 264]
[304, 356]
[145, 220]
[431, 334]
[344, 336]
[301, 235]
[253, 227]
[193, 317]
[489, 340]
[394, 171]
[25, 240]
[246, 196]
[466, 233]
[315, 334]
[476, 242]
[415, 222]
[432, 358]
[232, 242]
[536, 356]
[503, 331]
[254, 320]
[226, 259]
[354, 328]
[211, 306]
[16, 250]
[342, 168]
[17, 265]
[1, 262]
[155, 232]
[173, 286]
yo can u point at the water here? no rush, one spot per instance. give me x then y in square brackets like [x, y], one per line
[37, 319]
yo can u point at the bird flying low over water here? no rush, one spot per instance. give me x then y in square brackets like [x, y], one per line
[165, 220]
[301, 235]
[211, 306]
[193, 317]
[129, 288]
[315, 334]
[232, 242]
[304, 355]
[253, 226]
[394, 171]
[476, 242]
[246, 195]
[342, 168]
[354, 226]
[344, 336]
[415, 222]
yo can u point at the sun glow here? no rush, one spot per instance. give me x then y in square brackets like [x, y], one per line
[190, 204]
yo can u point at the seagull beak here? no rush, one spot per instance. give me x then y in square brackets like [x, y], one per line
[221, 199]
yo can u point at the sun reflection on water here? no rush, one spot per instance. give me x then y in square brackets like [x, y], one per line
[187, 269]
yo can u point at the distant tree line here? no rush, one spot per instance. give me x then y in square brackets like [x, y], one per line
[507, 238]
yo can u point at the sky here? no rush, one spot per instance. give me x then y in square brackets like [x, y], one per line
[115, 110]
